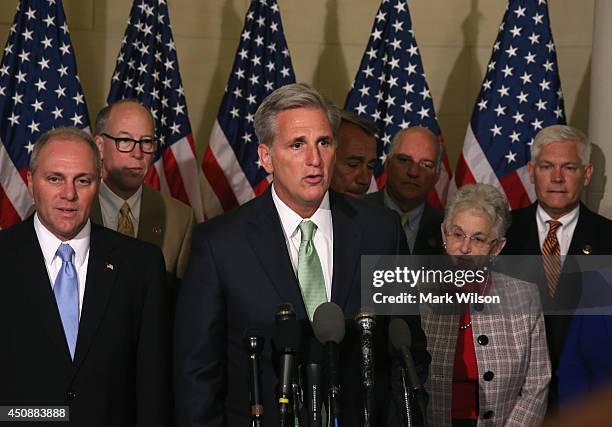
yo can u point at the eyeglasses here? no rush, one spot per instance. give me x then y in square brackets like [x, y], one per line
[126, 145]
[458, 236]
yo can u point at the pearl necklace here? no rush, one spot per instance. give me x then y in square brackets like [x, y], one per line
[467, 325]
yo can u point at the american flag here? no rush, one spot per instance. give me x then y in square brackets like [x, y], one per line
[390, 88]
[147, 69]
[262, 64]
[39, 90]
[520, 95]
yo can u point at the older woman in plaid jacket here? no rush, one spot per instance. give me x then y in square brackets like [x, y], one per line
[490, 364]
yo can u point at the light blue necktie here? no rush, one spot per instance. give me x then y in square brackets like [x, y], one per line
[66, 290]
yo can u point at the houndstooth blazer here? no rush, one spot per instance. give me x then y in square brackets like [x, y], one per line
[510, 349]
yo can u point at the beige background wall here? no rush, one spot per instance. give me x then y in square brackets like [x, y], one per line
[327, 39]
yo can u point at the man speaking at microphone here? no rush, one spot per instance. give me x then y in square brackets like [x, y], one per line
[298, 243]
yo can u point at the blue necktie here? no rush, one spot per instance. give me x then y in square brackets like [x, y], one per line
[66, 290]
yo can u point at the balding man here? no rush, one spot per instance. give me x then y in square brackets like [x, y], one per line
[355, 155]
[125, 135]
[413, 168]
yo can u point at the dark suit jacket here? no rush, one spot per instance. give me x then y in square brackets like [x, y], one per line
[429, 239]
[591, 236]
[121, 372]
[239, 272]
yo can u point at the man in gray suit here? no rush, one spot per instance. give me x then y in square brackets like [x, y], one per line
[413, 168]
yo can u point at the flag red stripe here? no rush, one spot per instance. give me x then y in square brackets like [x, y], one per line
[173, 177]
[218, 181]
[463, 174]
[515, 192]
[261, 187]
[8, 214]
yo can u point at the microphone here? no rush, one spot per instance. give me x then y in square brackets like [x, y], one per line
[287, 336]
[313, 373]
[329, 328]
[401, 340]
[366, 322]
[253, 344]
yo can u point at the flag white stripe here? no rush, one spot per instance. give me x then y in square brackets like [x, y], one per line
[228, 162]
[161, 176]
[189, 171]
[523, 174]
[13, 185]
[477, 162]
[210, 201]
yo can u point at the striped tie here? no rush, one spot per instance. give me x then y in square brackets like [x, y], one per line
[310, 273]
[552, 257]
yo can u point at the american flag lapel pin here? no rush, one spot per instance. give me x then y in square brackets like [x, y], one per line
[110, 266]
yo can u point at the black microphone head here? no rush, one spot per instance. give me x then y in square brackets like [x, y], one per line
[315, 352]
[328, 323]
[285, 311]
[399, 334]
[253, 341]
[287, 336]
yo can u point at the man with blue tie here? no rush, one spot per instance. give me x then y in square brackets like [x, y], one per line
[84, 313]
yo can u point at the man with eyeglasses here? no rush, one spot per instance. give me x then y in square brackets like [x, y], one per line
[125, 135]
[413, 168]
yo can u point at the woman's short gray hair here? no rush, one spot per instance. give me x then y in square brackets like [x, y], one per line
[561, 133]
[483, 199]
[289, 97]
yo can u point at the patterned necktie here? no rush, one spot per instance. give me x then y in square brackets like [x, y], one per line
[66, 290]
[552, 257]
[125, 224]
[404, 219]
[310, 274]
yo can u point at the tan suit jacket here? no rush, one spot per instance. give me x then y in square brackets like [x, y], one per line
[165, 222]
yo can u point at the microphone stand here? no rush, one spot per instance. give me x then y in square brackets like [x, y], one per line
[406, 395]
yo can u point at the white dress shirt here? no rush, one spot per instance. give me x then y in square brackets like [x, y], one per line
[110, 205]
[80, 244]
[323, 238]
[564, 232]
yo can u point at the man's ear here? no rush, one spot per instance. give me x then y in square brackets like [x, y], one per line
[99, 142]
[531, 171]
[30, 184]
[588, 174]
[265, 157]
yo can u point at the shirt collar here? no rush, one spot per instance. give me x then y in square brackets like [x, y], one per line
[290, 220]
[49, 242]
[116, 202]
[566, 220]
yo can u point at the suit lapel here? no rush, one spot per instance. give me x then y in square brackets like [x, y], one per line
[102, 269]
[151, 227]
[43, 300]
[265, 235]
[347, 248]
[585, 236]
[532, 242]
